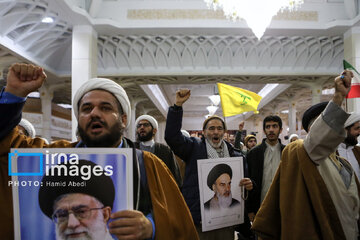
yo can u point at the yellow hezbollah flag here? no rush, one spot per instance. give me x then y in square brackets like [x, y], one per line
[237, 100]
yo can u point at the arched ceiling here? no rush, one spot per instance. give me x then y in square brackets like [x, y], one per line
[174, 44]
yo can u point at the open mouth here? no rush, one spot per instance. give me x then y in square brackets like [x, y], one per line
[216, 139]
[96, 127]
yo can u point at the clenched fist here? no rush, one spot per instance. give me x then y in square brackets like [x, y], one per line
[182, 96]
[23, 79]
[342, 86]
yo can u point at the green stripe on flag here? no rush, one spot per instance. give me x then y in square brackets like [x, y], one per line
[349, 66]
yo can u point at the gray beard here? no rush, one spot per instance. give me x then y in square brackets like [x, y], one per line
[224, 202]
[214, 145]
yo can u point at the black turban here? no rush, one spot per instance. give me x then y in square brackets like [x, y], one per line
[312, 113]
[216, 172]
[101, 187]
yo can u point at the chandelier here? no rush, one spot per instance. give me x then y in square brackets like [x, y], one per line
[257, 13]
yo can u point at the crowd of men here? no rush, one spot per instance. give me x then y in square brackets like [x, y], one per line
[308, 189]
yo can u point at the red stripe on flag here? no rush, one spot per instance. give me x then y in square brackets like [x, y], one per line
[354, 91]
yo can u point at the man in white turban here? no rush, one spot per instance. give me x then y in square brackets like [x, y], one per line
[293, 137]
[102, 109]
[26, 128]
[146, 129]
[348, 149]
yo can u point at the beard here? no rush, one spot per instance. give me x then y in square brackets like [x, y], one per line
[272, 136]
[145, 138]
[106, 140]
[350, 140]
[214, 145]
[97, 230]
[224, 201]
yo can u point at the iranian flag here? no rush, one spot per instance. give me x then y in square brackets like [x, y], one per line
[355, 83]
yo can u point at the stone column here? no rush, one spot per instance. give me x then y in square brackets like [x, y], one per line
[132, 127]
[46, 96]
[316, 90]
[292, 116]
[160, 133]
[84, 61]
[299, 127]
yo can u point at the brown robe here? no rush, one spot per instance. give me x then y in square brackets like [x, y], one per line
[356, 151]
[298, 204]
[171, 214]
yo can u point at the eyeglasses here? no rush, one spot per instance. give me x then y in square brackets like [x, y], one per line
[61, 215]
[143, 124]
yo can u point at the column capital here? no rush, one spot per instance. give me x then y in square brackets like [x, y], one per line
[46, 92]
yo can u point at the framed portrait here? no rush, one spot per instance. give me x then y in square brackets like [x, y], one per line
[220, 195]
[27, 167]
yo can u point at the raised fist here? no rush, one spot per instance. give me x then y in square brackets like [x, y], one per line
[23, 79]
[182, 96]
[342, 86]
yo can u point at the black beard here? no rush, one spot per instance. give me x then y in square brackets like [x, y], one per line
[108, 140]
[350, 140]
[145, 138]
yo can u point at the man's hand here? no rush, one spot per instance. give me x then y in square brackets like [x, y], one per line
[130, 225]
[241, 126]
[23, 79]
[247, 183]
[182, 96]
[342, 86]
[251, 216]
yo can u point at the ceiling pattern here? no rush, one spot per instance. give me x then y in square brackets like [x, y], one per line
[21, 23]
[171, 53]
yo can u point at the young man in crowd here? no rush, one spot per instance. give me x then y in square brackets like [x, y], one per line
[263, 161]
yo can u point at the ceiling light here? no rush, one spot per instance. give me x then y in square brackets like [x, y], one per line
[257, 13]
[330, 91]
[34, 95]
[67, 106]
[215, 99]
[47, 20]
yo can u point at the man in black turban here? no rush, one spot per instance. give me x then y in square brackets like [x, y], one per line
[79, 208]
[219, 181]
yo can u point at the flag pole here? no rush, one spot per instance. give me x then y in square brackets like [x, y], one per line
[346, 105]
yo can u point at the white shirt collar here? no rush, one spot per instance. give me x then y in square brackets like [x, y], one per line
[148, 143]
[343, 146]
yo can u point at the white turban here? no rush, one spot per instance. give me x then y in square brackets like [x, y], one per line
[353, 118]
[107, 85]
[149, 118]
[292, 136]
[28, 127]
